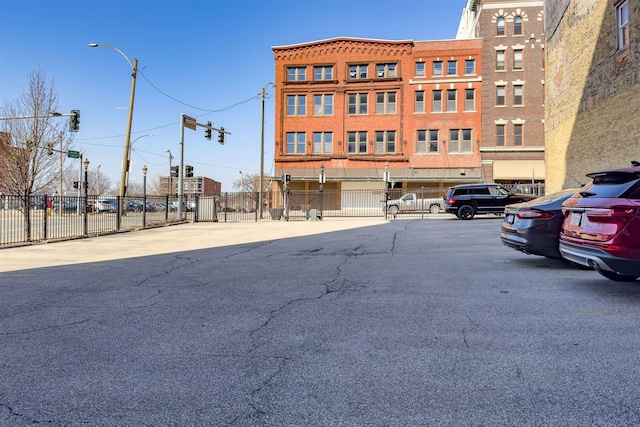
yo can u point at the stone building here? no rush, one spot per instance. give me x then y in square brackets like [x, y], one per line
[593, 71]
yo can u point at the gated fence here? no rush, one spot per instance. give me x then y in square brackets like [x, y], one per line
[46, 218]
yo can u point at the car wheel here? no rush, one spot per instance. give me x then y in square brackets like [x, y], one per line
[434, 209]
[393, 210]
[617, 277]
[466, 212]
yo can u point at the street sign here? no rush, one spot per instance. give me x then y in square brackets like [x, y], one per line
[73, 154]
[189, 122]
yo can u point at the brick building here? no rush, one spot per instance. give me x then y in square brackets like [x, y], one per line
[513, 85]
[432, 113]
[593, 72]
[195, 185]
[359, 107]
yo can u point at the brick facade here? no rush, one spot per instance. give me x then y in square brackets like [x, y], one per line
[483, 158]
[409, 163]
[593, 86]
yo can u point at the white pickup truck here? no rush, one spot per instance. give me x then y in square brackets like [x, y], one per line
[411, 203]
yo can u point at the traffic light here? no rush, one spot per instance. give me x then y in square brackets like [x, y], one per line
[207, 131]
[221, 136]
[49, 148]
[75, 184]
[74, 121]
[174, 171]
[188, 171]
[287, 178]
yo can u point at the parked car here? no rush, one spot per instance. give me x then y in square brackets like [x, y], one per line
[68, 206]
[602, 224]
[534, 227]
[134, 206]
[103, 206]
[467, 200]
[411, 203]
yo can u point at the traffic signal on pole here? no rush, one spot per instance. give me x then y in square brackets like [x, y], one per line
[49, 148]
[287, 178]
[188, 171]
[75, 184]
[174, 171]
[221, 136]
[207, 131]
[74, 121]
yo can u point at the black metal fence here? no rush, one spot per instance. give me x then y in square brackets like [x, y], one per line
[46, 218]
[25, 220]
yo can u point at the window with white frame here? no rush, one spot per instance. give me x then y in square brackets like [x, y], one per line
[517, 134]
[469, 100]
[500, 27]
[420, 69]
[517, 59]
[296, 74]
[385, 103]
[385, 141]
[357, 103]
[427, 141]
[358, 71]
[460, 140]
[357, 142]
[500, 95]
[419, 102]
[295, 142]
[500, 60]
[622, 24]
[452, 100]
[385, 70]
[323, 73]
[517, 25]
[322, 105]
[500, 135]
[452, 68]
[322, 142]
[517, 94]
[436, 101]
[296, 105]
[470, 66]
[437, 68]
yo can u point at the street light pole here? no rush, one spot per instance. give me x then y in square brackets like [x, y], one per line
[144, 198]
[170, 187]
[86, 195]
[124, 175]
[321, 180]
[242, 188]
[261, 190]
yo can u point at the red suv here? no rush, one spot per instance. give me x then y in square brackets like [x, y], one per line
[601, 226]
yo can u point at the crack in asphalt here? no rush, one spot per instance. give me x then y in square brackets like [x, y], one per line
[336, 287]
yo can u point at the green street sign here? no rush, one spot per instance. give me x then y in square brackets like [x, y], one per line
[73, 154]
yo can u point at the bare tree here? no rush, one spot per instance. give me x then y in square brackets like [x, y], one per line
[29, 125]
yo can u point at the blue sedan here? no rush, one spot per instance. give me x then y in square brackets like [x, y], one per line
[534, 227]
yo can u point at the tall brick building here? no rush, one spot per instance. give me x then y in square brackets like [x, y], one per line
[432, 113]
[513, 85]
[593, 74]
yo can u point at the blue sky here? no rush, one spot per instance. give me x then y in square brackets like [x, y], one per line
[207, 59]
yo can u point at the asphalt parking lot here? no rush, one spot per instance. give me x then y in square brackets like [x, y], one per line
[327, 323]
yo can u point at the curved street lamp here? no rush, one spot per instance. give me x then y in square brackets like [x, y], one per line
[127, 143]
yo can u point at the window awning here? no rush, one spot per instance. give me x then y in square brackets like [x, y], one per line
[518, 169]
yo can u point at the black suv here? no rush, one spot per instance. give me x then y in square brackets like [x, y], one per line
[467, 200]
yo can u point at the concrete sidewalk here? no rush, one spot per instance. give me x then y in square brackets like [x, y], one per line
[175, 238]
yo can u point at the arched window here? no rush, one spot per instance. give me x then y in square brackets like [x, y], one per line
[500, 31]
[517, 25]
